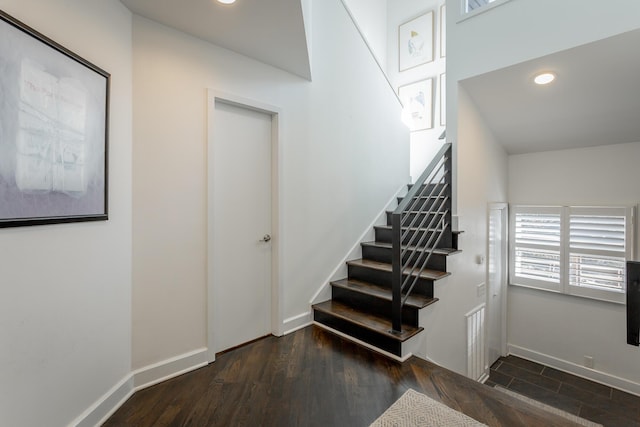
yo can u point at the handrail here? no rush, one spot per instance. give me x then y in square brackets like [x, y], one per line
[414, 189]
[421, 221]
[366, 42]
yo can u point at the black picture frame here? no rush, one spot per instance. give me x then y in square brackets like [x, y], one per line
[54, 131]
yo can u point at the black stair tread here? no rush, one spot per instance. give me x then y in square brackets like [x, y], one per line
[414, 300]
[388, 227]
[437, 251]
[372, 322]
[383, 266]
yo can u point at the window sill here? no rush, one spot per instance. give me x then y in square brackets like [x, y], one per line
[618, 298]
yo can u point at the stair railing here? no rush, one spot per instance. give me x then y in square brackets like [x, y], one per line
[419, 224]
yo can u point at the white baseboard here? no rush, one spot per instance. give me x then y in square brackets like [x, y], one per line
[170, 368]
[109, 403]
[156, 373]
[575, 369]
[139, 379]
[294, 323]
[364, 344]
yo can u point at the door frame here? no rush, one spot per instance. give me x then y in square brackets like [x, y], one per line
[214, 96]
[504, 207]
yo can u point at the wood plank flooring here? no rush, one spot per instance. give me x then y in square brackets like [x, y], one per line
[313, 378]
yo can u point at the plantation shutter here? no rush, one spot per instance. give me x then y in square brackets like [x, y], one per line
[598, 248]
[574, 250]
[537, 247]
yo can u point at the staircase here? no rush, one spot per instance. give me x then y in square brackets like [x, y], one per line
[377, 305]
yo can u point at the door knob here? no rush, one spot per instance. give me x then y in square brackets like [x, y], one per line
[266, 238]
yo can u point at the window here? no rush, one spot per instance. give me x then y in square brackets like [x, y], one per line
[476, 4]
[537, 247]
[475, 7]
[573, 250]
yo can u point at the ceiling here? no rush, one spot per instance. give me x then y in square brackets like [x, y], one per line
[595, 99]
[271, 31]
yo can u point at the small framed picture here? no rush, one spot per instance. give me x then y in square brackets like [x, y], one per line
[415, 42]
[417, 101]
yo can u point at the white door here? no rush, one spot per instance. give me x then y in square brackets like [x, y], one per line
[241, 221]
[496, 282]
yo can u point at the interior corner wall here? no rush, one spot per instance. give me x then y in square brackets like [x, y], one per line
[510, 33]
[371, 16]
[425, 143]
[574, 327]
[343, 154]
[502, 36]
[65, 292]
[482, 179]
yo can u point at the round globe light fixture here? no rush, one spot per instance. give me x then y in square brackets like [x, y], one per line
[226, 1]
[544, 78]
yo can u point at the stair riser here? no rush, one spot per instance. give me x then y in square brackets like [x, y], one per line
[374, 305]
[358, 332]
[383, 235]
[383, 278]
[436, 262]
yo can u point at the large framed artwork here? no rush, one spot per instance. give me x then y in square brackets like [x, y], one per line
[417, 102]
[53, 131]
[415, 42]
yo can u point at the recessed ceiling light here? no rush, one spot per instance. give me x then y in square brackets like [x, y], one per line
[544, 78]
[226, 1]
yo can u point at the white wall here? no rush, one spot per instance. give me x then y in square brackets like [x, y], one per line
[65, 292]
[344, 153]
[503, 36]
[510, 33]
[425, 143]
[371, 17]
[571, 327]
[484, 163]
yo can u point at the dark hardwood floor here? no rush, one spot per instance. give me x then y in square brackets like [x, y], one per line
[313, 378]
[578, 396]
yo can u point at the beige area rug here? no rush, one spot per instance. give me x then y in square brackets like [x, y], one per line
[576, 419]
[415, 409]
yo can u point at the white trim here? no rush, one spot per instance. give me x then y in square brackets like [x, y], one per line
[575, 369]
[504, 253]
[324, 292]
[373, 55]
[277, 296]
[169, 368]
[484, 377]
[107, 405]
[364, 344]
[477, 342]
[137, 380]
[295, 323]
[564, 249]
